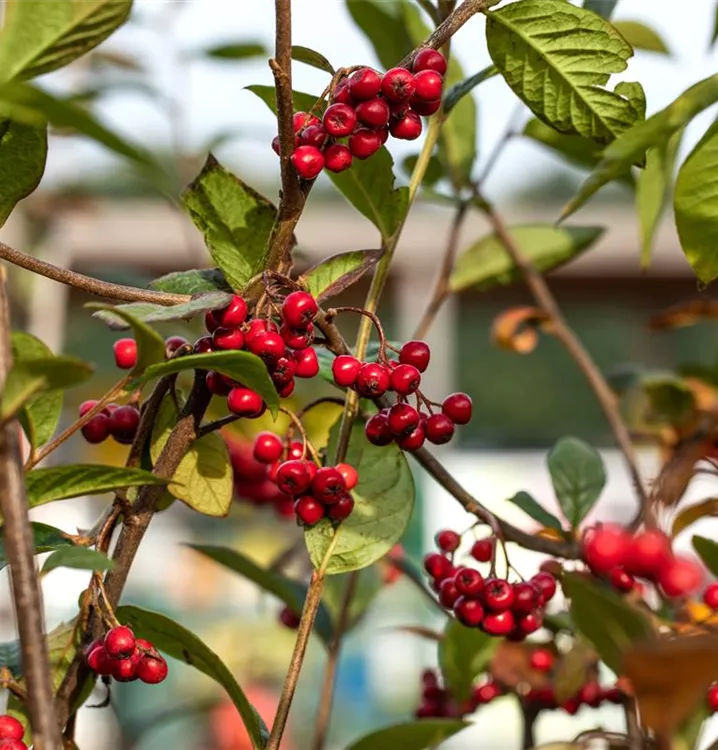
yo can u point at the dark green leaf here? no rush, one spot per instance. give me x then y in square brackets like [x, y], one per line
[532, 508]
[486, 263]
[80, 558]
[44, 539]
[384, 503]
[414, 735]
[464, 654]
[10, 657]
[302, 102]
[640, 36]
[235, 220]
[291, 592]
[384, 28]
[176, 641]
[196, 281]
[239, 51]
[578, 476]
[23, 151]
[669, 397]
[333, 275]
[604, 8]
[311, 57]
[707, 550]
[459, 90]
[609, 622]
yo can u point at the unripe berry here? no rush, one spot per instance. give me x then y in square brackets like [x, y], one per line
[350, 475]
[372, 380]
[337, 157]
[297, 338]
[469, 612]
[152, 670]
[425, 109]
[649, 552]
[605, 547]
[303, 120]
[340, 120]
[710, 596]
[364, 84]
[447, 540]
[120, 642]
[499, 623]
[483, 549]
[680, 578]
[377, 430]
[438, 566]
[364, 142]
[345, 369]
[234, 314]
[97, 429]
[293, 477]
[621, 579]
[428, 85]
[457, 408]
[309, 511]
[267, 448]
[498, 594]
[429, 59]
[439, 429]
[11, 728]
[398, 85]
[342, 509]
[328, 485]
[413, 441]
[415, 353]
[245, 402]
[373, 113]
[308, 161]
[123, 423]
[125, 353]
[542, 659]
[403, 419]
[546, 584]
[307, 363]
[469, 582]
[405, 379]
[407, 127]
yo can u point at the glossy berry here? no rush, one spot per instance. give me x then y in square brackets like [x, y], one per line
[469, 582]
[293, 477]
[373, 113]
[428, 85]
[498, 594]
[349, 474]
[314, 135]
[469, 612]
[258, 326]
[245, 402]
[203, 345]
[266, 344]
[227, 338]
[425, 109]
[524, 598]
[340, 120]
[483, 549]
[621, 579]
[152, 670]
[710, 596]
[234, 314]
[605, 547]
[405, 379]
[398, 85]
[303, 120]
[429, 59]
[125, 670]
[649, 552]
[373, 380]
[377, 430]
[407, 127]
[328, 485]
[712, 697]
[415, 353]
[542, 659]
[120, 642]
[499, 623]
[123, 423]
[681, 577]
[413, 441]
[100, 661]
[364, 84]
[363, 143]
[86, 406]
[125, 353]
[590, 694]
[308, 161]
[342, 93]
[297, 338]
[530, 623]
[439, 429]
[216, 385]
[97, 429]
[438, 566]
[10, 744]
[174, 343]
[546, 584]
[308, 510]
[448, 593]
[11, 728]
[307, 364]
[457, 408]
[268, 448]
[403, 419]
[299, 309]
[345, 369]
[341, 509]
[337, 157]
[447, 540]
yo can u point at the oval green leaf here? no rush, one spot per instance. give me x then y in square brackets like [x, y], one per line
[150, 313]
[532, 508]
[79, 558]
[707, 550]
[23, 152]
[414, 735]
[44, 539]
[195, 281]
[464, 654]
[640, 36]
[338, 272]
[302, 101]
[311, 57]
[238, 51]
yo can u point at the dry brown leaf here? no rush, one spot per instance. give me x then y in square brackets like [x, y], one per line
[684, 314]
[517, 329]
[692, 513]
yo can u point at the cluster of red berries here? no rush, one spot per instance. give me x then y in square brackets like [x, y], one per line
[365, 109]
[613, 553]
[496, 606]
[125, 658]
[118, 422]
[410, 427]
[11, 734]
[437, 702]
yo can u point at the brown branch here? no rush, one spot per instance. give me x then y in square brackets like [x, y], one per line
[17, 535]
[87, 283]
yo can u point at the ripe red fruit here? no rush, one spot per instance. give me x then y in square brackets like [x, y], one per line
[350, 475]
[173, 343]
[428, 85]
[429, 59]
[364, 84]
[340, 120]
[308, 510]
[342, 93]
[621, 579]
[299, 309]
[542, 659]
[266, 344]
[125, 353]
[439, 429]
[10, 744]
[546, 584]
[457, 408]
[234, 314]
[681, 577]
[483, 549]
[571, 706]
[448, 593]
[314, 135]
[268, 447]
[125, 670]
[297, 338]
[245, 402]
[337, 157]
[123, 423]
[283, 371]
[328, 485]
[591, 694]
[203, 345]
[710, 596]
[304, 120]
[649, 552]
[530, 623]
[276, 145]
[498, 594]
[372, 380]
[211, 321]
[486, 693]
[499, 623]
[405, 379]
[524, 598]
[438, 566]
[398, 85]
[293, 477]
[227, 338]
[345, 369]
[447, 540]
[413, 441]
[11, 728]
[152, 670]
[469, 582]
[120, 642]
[307, 363]
[373, 113]
[377, 430]
[258, 326]
[712, 697]
[308, 161]
[407, 127]
[425, 109]
[86, 406]
[97, 429]
[216, 385]
[469, 612]
[416, 353]
[363, 143]
[341, 509]
[605, 547]
[403, 419]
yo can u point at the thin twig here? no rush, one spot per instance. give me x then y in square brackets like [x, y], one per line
[529, 723]
[17, 535]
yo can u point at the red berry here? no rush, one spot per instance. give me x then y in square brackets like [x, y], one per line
[498, 594]
[524, 598]
[398, 85]
[469, 582]
[216, 385]
[341, 509]
[308, 510]
[448, 593]
[429, 84]
[86, 406]
[372, 380]
[571, 706]
[234, 314]
[304, 120]
[457, 408]
[97, 429]
[342, 95]
[337, 157]
[350, 475]
[710, 596]
[483, 549]
[438, 566]
[377, 430]
[425, 109]
[373, 113]
[542, 659]
[120, 642]
[283, 371]
[174, 343]
[649, 552]
[245, 402]
[546, 584]
[681, 577]
[486, 693]
[364, 84]
[314, 135]
[413, 441]
[439, 429]
[713, 697]
[591, 694]
[416, 353]
[403, 419]
[530, 623]
[307, 363]
[293, 477]
[429, 59]
[227, 338]
[340, 120]
[266, 344]
[211, 321]
[299, 309]
[123, 423]
[267, 447]
[10, 744]
[152, 670]
[308, 161]
[328, 485]
[11, 728]
[125, 353]
[100, 661]
[621, 579]
[605, 547]
[613, 695]
[447, 540]
[499, 623]
[296, 450]
[258, 326]
[125, 670]
[407, 127]
[364, 142]
[405, 379]
[345, 369]
[277, 145]
[297, 338]
[203, 345]
[469, 612]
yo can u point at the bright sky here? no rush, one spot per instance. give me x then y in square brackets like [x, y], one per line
[214, 99]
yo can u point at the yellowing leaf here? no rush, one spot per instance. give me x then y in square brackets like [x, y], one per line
[516, 329]
[693, 513]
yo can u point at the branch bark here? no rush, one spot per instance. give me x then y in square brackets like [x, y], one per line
[17, 534]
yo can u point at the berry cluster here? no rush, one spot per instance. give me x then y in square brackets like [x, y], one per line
[11, 734]
[612, 552]
[437, 702]
[118, 422]
[125, 658]
[364, 110]
[590, 694]
[496, 606]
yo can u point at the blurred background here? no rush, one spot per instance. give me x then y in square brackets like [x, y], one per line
[161, 82]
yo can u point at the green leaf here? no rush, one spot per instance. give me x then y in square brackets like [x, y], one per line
[630, 148]
[11, 658]
[633, 91]
[414, 735]
[652, 190]
[608, 621]
[74, 480]
[384, 501]
[239, 51]
[311, 57]
[196, 281]
[23, 151]
[532, 508]
[79, 558]
[39, 36]
[176, 641]
[695, 203]
[244, 367]
[578, 476]
[40, 415]
[604, 8]
[302, 102]
[150, 313]
[203, 479]
[369, 187]
[383, 25]
[640, 36]
[459, 90]
[486, 263]
[714, 35]
[291, 592]
[464, 654]
[669, 397]
[235, 220]
[558, 58]
[333, 275]
[707, 550]
[28, 377]
[150, 345]
[44, 539]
